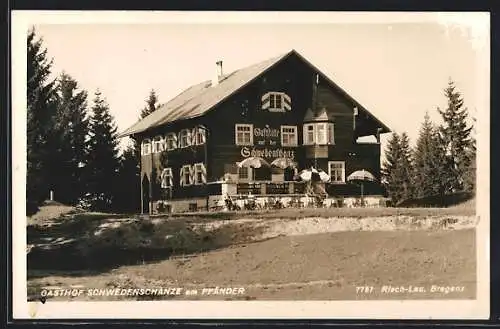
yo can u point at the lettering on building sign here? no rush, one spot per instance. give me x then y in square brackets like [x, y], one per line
[266, 132]
[267, 153]
[266, 136]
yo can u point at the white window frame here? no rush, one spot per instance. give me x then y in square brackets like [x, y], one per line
[167, 176]
[271, 99]
[326, 137]
[186, 169]
[274, 97]
[330, 163]
[200, 137]
[157, 145]
[184, 133]
[305, 136]
[146, 146]
[249, 176]
[199, 167]
[321, 137]
[170, 137]
[295, 139]
[243, 125]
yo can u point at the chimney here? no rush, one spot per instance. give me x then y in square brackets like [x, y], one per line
[218, 73]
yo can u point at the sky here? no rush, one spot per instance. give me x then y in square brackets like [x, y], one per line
[396, 69]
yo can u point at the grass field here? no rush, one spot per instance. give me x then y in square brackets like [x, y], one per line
[85, 250]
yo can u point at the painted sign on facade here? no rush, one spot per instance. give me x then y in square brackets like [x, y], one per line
[266, 135]
[268, 153]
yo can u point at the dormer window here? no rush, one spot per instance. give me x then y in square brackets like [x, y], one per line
[146, 147]
[276, 102]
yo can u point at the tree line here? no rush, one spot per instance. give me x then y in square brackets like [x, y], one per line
[72, 144]
[443, 160]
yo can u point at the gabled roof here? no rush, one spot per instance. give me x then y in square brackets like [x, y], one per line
[200, 98]
[319, 115]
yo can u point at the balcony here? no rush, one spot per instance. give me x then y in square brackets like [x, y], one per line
[270, 188]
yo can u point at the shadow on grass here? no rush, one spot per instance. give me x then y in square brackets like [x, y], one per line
[129, 243]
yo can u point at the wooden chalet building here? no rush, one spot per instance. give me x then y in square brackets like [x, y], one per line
[280, 108]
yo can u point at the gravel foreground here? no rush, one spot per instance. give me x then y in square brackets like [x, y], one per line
[314, 225]
[311, 258]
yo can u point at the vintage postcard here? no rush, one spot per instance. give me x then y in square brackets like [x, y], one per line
[250, 165]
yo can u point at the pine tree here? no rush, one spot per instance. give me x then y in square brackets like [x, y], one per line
[152, 104]
[397, 168]
[102, 163]
[470, 175]
[41, 103]
[129, 185]
[389, 167]
[406, 166]
[429, 162]
[68, 139]
[455, 135]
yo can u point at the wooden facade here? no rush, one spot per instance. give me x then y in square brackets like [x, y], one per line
[291, 93]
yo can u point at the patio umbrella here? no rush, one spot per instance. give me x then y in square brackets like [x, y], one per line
[361, 176]
[314, 174]
[307, 174]
[323, 176]
[253, 162]
[284, 163]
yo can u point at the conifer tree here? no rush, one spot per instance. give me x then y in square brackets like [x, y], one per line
[68, 138]
[102, 163]
[129, 185]
[151, 104]
[429, 162]
[406, 165]
[389, 167]
[41, 102]
[455, 135]
[397, 168]
[470, 175]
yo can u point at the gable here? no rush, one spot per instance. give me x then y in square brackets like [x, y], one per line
[200, 98]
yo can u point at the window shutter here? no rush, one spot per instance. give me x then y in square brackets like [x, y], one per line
[174, 136]
[181, 181]
[203, 173]
[287, 102]
[203, 136]
[179, 139]
[191, 175]
[266, 101]
[304, 135]
[164, 178]
[193, 136]
[331, 139]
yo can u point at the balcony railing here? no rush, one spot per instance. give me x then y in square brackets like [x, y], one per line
[271, 188]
